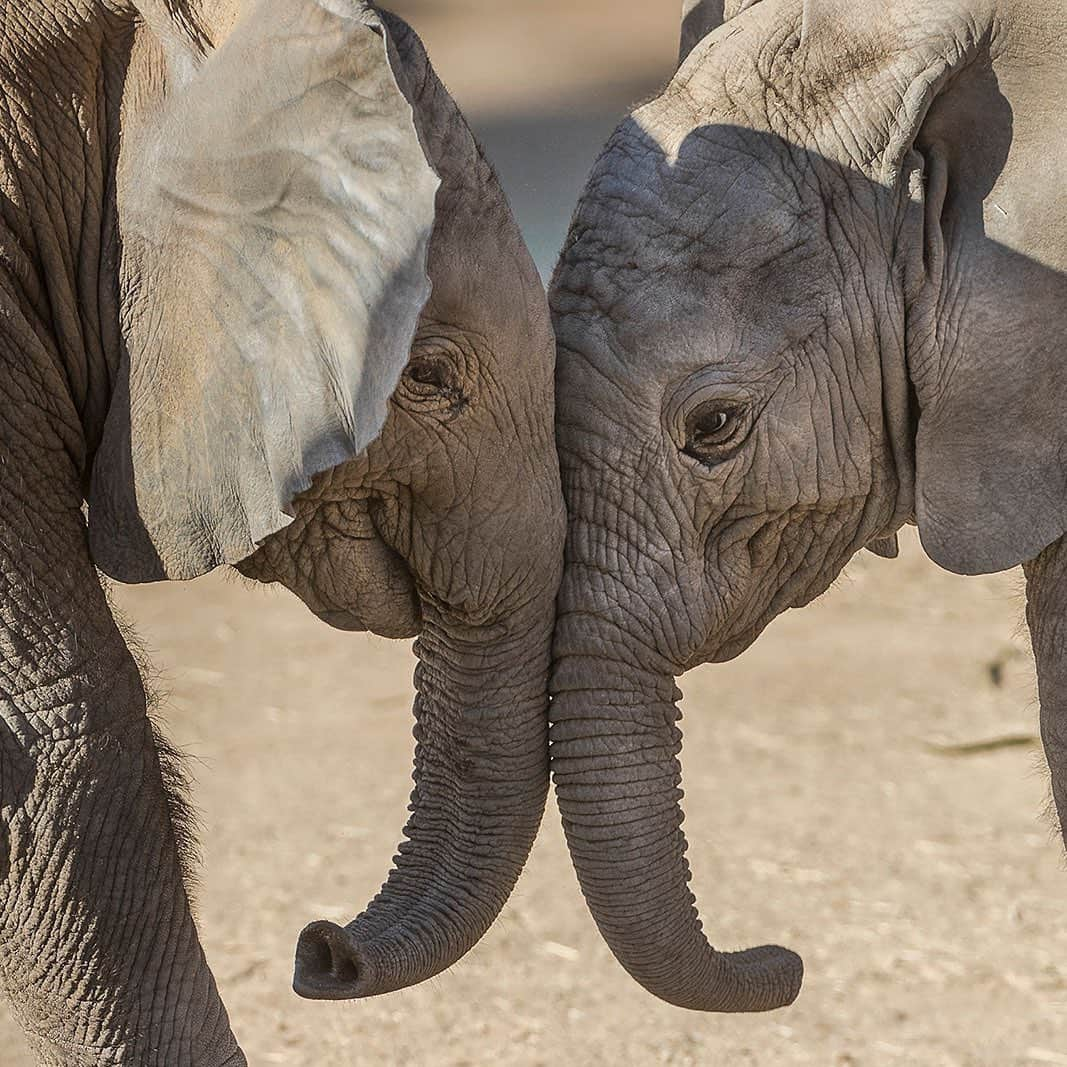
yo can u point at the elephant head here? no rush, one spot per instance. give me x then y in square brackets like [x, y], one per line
[337, 374]
[812, 292]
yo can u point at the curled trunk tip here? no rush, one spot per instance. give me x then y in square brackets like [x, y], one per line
[329, 964]
[751, 980]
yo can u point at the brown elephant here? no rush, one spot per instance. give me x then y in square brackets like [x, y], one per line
[263, 305]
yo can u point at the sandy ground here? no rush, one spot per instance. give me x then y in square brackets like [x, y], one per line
[841, 796]
[832, 806]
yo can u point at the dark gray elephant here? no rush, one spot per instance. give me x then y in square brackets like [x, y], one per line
[219, 226]
[814, 291]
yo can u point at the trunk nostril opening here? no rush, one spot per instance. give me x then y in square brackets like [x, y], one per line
[327, 964]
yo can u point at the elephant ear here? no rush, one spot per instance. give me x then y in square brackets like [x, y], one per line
[986, 339]
[700, 17]
[276, 216]
[985, 324]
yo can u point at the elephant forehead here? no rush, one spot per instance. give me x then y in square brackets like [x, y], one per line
[672, 210]
[712, 183]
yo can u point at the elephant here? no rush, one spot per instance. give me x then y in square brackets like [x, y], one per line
[265, 306]
[814, 291]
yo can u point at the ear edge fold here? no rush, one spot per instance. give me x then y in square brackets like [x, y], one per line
[989, 493]
[701, 17]
[890, 44]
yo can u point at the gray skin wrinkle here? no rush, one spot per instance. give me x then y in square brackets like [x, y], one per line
[840, 227]
[449, 525]
[667, 281]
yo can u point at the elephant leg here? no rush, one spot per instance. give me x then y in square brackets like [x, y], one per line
[1046, 615]
[98, 950]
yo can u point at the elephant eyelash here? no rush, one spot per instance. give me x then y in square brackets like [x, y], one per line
[712, 430]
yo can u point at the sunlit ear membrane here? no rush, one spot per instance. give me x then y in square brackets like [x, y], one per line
[276, 216]
[830, 21]
[183, 39]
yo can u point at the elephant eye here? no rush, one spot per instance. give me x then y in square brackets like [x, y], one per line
[427, 375]
[711, 429]
[433, 383]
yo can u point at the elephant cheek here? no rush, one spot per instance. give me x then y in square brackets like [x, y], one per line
[367, 586]
[351, 583]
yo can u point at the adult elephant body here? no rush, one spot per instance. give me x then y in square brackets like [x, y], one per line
[263, 305]
[814, 291]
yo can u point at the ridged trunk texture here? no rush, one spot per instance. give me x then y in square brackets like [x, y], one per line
[614, 755]
[481, 780]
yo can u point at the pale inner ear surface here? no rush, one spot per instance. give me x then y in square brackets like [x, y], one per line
[276, 219]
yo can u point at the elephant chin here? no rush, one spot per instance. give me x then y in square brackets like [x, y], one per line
[395, 627]
[481, 780]
[357, 583]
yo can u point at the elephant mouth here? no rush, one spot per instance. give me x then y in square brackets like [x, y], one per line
[734, 629]
[341, 620]
[365, 585]
[351, 622]
[724, 651]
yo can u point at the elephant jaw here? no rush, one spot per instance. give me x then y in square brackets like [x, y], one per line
[334, 559]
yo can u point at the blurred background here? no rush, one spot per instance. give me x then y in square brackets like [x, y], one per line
[864, 785]
[543, 83]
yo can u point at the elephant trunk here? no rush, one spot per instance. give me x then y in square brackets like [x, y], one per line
[481, 779]
[614, 757]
